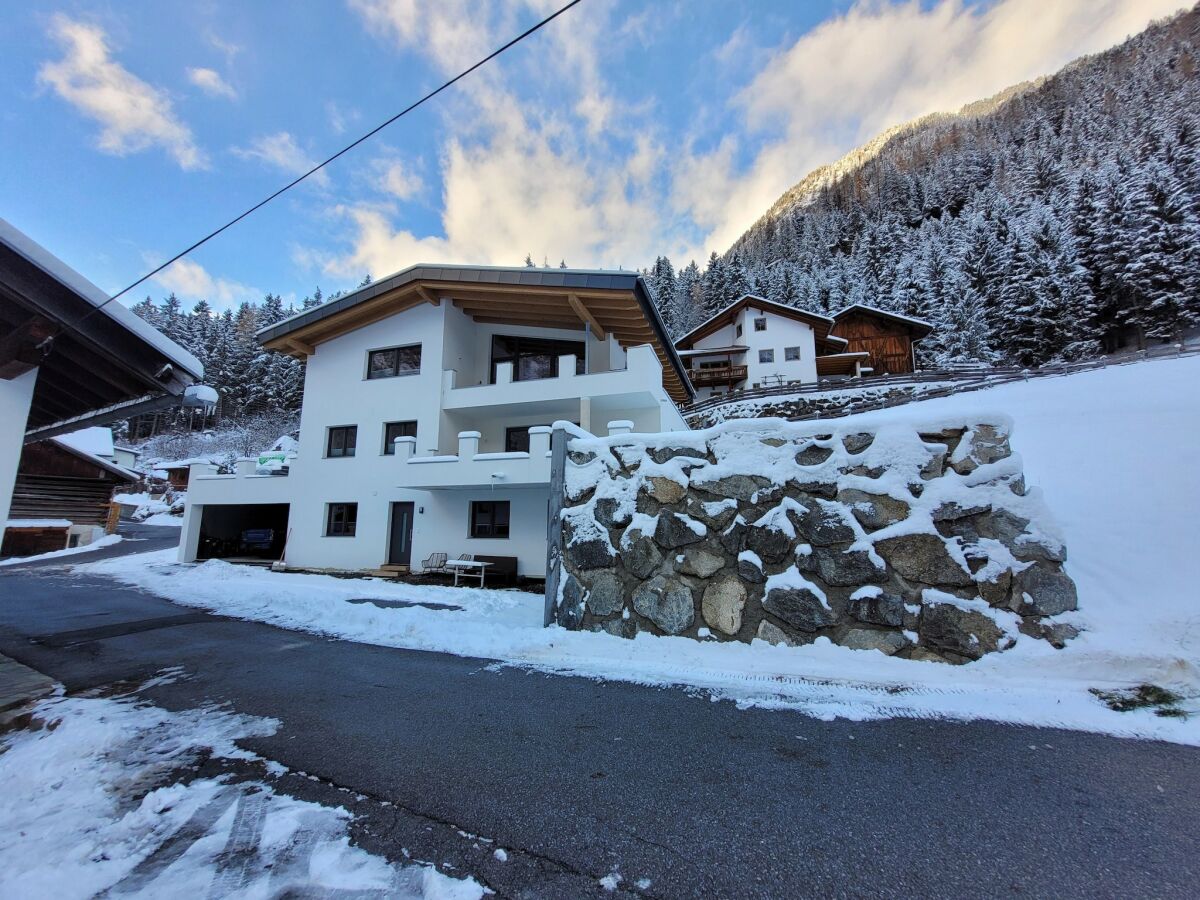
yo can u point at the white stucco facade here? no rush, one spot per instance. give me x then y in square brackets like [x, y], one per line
[458, 454]
[16, 395]
[763, 350]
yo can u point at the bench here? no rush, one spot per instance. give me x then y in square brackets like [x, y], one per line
[503, 569]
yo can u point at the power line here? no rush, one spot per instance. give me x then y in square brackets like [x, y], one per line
[374, 131]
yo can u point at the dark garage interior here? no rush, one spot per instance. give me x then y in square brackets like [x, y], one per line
[245, 531]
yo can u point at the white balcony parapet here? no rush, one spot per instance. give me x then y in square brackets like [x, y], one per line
[468, 444]
[246, 466]
[406, 446]
[641, 378]
[620, 426]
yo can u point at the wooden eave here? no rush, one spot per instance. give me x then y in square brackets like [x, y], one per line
[821, 325]
[616, 312]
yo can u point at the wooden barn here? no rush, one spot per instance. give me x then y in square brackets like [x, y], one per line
[886, 337]
[60, 499]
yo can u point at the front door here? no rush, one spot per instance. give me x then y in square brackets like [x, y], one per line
[400, 545]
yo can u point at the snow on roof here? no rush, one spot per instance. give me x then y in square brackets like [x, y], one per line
[183, 463]
[106, 464]
[38, 523]
[734, 349]
[752, 299]
[60, 271]
[97, 441]
[886, 313]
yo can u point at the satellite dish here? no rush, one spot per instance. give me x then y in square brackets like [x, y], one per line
[200, 396]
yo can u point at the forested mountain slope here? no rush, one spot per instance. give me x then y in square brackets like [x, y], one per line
[1055, 220]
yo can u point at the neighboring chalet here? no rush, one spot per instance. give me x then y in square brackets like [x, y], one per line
[756, 342]
[61, 496]
[66, 363]
[886, 337]
[425, 427]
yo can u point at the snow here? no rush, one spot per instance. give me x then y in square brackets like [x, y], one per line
[38, 523]
[106, 541]
[98, 441]
[1112, 453]
[91, 803]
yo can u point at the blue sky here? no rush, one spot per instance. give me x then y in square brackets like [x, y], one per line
[621, 131]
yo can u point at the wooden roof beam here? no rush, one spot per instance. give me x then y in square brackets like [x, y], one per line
[586, 316]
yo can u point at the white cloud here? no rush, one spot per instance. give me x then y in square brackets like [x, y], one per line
[189, 280]
[882, 64]
[574, 180]
[211, 82]
[397, 179]
[281, 151]
[133, 114]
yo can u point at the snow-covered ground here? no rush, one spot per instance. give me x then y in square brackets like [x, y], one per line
[154, 510]
[1113, 451]
[91, 803]
[106, 541]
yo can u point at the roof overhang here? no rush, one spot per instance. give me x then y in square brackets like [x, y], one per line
[841, 363]
[92, 364]
[918, 328]
[614, 303]
[821, 325]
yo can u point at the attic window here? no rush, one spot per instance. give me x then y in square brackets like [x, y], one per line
[739, 329]
[394, 361]
[760, 323]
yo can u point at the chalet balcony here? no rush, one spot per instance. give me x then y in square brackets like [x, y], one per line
[717, 376]
[535, 395]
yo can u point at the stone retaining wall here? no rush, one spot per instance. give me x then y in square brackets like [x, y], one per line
[918, 541]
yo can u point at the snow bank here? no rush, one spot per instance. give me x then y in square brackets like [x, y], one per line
[92, 803]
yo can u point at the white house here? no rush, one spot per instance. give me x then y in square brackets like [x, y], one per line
[755, 342]
[425, 427]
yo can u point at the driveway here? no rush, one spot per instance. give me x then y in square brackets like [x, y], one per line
[447, 758]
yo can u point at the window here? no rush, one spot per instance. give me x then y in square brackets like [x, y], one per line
[489, 518]
[766, 356]
[393, 430]
[395, 361]
[791, 354]
[739, 329]
[340, 519]
[516, 440]
[341, 441]
[533, 358]
[760, 323]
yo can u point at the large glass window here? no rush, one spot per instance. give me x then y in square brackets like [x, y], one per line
[394, 361]
[341, 441]
[341, 519]
[489, 518]
[533, 358]
[393, 430]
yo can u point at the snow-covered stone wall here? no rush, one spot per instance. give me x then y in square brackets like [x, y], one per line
[919, 540]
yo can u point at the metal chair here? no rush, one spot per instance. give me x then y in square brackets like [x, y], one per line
[435, 563]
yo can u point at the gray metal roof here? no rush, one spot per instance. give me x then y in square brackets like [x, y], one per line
[580, 279]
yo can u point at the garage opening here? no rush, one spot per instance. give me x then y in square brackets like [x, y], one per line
[252, 532]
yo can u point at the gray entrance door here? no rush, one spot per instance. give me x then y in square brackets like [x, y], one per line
[400, 546]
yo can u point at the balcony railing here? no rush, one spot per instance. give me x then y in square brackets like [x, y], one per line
[707, 377]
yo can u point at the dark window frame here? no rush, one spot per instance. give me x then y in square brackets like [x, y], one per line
[394, 370]
[341, 519]
[769, 355]
[348, 448]
[389, 441]
[476, 526]
[527, 347]
[760, 323]
[788, 354]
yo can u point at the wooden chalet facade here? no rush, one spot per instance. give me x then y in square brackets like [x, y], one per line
[61, 494]
[886, 337]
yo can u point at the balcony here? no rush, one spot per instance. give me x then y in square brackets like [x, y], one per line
[639, 384]
[471, 469]
[716, 376]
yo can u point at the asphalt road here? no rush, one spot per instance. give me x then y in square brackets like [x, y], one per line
[576, 779]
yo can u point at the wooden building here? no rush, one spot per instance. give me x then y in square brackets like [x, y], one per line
[60, 499]
[886, 337]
